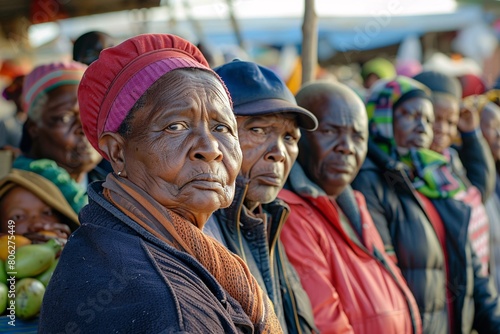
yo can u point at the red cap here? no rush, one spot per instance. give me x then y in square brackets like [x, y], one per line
[113, 83]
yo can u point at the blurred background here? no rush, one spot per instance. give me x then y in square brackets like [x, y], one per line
[455, 36]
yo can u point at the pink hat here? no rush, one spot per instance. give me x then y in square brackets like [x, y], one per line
[122, 74]
[44, 78]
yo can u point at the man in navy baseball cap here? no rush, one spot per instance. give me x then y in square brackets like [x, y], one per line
[256, 90]
[269, 128]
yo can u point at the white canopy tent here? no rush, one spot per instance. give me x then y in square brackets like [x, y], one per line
[355, 25]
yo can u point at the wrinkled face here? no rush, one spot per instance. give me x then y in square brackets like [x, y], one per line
[270, 146]
[490, 126]
[183, 145]
[446, 113]
[333, 154]
[58, 134]
[412, 123]
[31, 214]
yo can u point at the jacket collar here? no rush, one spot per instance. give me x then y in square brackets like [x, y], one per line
[299, 183]
[237, 213]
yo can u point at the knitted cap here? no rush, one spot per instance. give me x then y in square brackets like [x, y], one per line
[44, 189]
[113, 83]
[44, 78]
[381, 67]
[439, 82]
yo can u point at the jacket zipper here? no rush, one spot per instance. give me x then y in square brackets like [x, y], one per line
[275, 239]
[288, 286]
[238, 226]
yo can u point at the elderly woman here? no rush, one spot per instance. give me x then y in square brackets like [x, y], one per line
[53, 132]
[410, 193]
[140, 262]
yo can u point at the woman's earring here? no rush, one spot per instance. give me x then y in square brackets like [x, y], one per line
[119, 173]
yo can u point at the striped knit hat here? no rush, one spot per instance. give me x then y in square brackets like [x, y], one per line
[385, 96]
[45, 78]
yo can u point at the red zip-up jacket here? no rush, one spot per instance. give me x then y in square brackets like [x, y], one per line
[352, 284]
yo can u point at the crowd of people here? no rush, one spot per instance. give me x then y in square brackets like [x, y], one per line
[212, 200]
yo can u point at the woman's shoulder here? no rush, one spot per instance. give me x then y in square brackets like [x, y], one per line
[112, 279]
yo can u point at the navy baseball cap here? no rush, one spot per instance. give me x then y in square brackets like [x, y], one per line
[256, 90]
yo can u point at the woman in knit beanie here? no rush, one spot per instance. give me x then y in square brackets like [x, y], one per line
[53, 130]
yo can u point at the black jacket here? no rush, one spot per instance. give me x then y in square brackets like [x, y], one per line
[473, 162]
[115, 277]
[406, 230]
[258, 244]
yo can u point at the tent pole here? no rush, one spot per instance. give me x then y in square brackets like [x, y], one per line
[309, 42]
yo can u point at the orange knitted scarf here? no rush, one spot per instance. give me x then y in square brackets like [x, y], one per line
[228, 269]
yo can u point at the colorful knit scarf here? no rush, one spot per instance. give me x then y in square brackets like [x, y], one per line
[228, 269]
[432, 177]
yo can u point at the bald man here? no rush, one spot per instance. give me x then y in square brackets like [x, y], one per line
[329, 236]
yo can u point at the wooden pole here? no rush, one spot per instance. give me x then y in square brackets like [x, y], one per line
[235, 25]
[309, 42]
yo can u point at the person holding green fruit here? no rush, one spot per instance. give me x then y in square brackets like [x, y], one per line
[35, 215]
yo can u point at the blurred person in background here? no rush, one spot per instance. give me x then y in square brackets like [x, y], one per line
[410, 193]
[490, 127]
[40, 212]
[11, 128]
[87, 47]
[471, 161]
[53, 131]
[329, 237]
[376, 69]
[37, 206]
[494, 93]
[86, 50]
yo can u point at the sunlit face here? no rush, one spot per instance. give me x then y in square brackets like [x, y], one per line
[446, 113]
[183, 147]
[58, 135]
[490, 126]
[412, 123]
[30, 214]
[333, 154]
[270, 146]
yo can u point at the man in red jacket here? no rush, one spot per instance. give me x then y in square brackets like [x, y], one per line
[329, 236]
